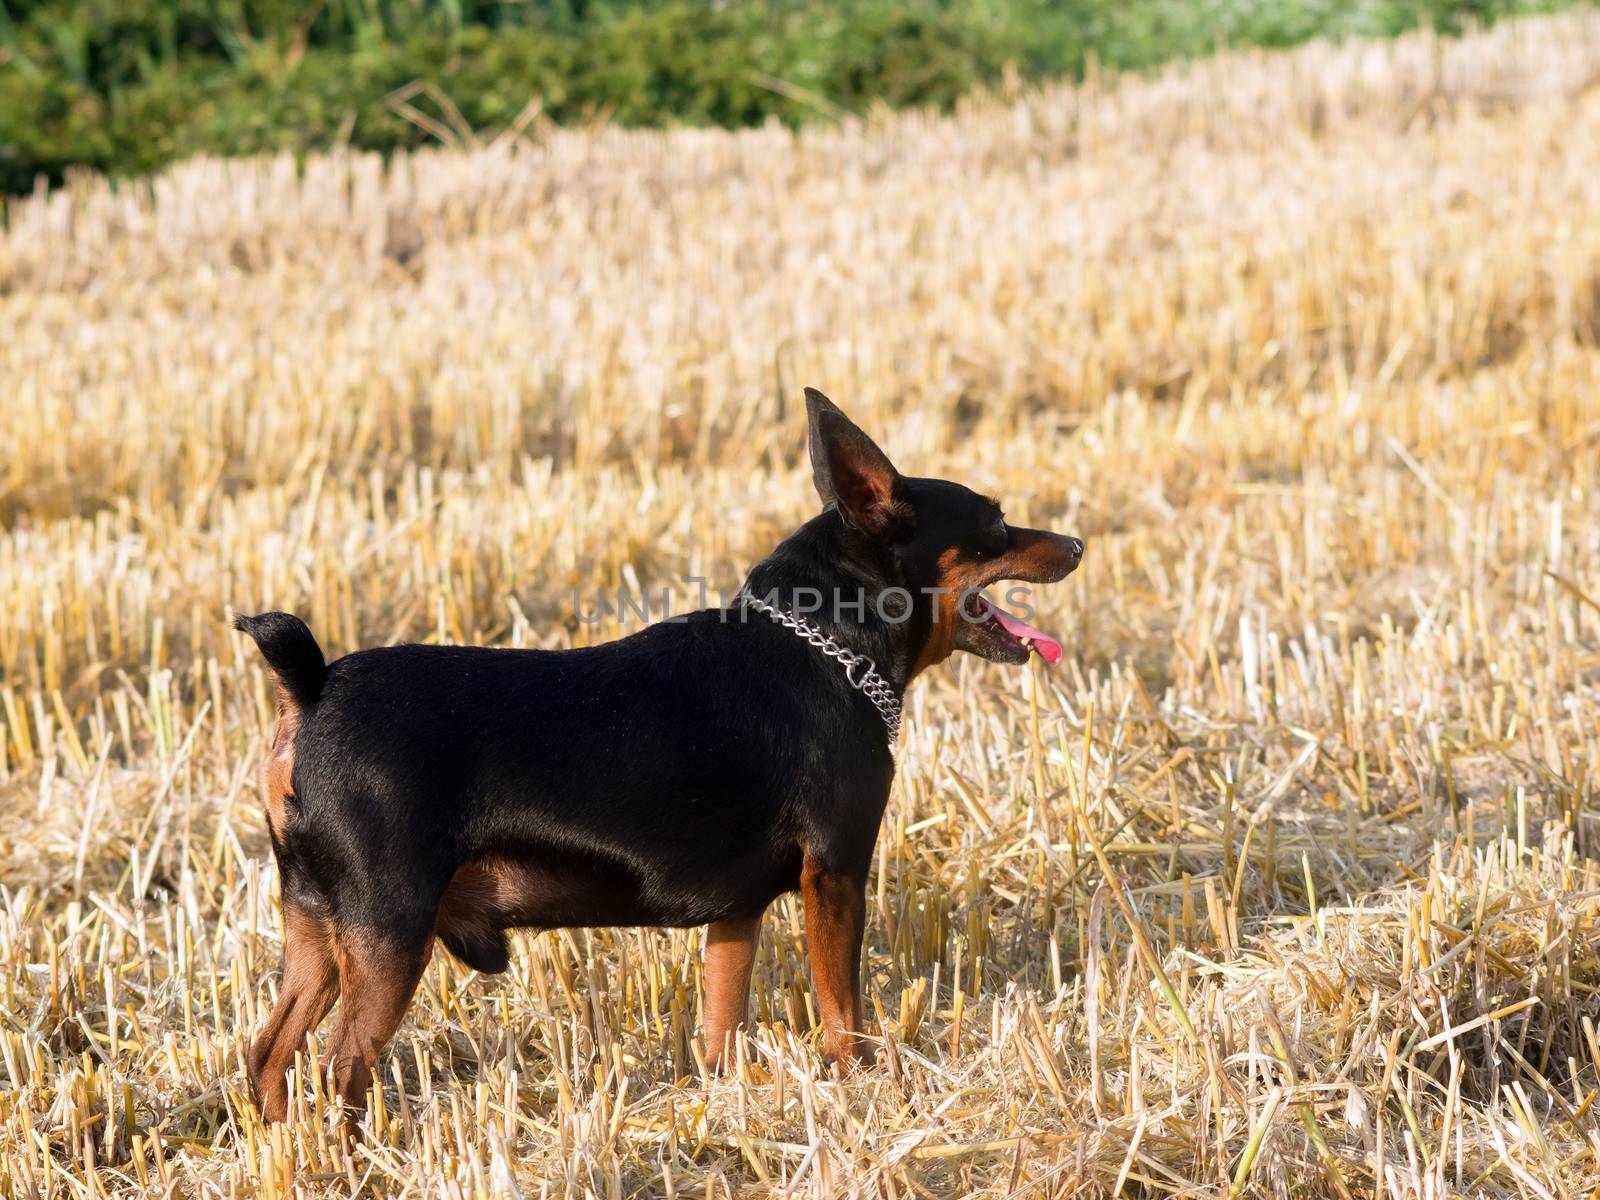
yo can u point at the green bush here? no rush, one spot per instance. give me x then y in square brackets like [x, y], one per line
[125, 86]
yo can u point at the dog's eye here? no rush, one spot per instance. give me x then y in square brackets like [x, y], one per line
[996, 538]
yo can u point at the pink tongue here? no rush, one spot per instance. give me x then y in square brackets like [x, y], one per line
[1049, 649]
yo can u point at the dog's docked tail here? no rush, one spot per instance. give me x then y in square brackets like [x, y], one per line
[292, 653]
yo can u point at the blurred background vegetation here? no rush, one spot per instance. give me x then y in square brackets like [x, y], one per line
[125, 86]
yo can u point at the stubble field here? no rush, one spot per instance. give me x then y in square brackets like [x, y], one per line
[1280, 885]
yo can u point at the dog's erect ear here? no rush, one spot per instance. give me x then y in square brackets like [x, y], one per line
[850, 472]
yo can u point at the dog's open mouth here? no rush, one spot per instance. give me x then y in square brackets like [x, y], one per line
[1011, 632]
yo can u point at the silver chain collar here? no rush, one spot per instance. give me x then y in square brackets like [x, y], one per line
[868, 682]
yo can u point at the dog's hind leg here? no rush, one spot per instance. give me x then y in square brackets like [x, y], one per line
[310, 985]
[378, 974]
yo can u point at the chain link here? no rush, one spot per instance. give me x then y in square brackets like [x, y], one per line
[870, 684]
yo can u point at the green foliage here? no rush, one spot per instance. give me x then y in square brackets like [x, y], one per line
[125, 86]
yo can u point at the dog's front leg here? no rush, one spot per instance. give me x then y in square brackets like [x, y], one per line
[730, 955]
[836, 910]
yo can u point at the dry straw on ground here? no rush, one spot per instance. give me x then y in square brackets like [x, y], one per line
[1279, 886]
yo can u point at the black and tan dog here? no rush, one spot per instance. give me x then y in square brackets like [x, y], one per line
[686, 775]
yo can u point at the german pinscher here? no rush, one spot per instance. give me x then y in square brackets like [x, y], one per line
[686, 775]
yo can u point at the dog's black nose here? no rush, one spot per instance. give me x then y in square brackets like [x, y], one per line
[1075, 545]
